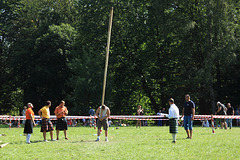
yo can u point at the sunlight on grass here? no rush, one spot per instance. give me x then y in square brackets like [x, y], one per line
[124, 143]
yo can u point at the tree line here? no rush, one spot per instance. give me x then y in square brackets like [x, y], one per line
[55, 49]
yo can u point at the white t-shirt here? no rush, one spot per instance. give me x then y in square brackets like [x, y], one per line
[173, 111]
[104, 112]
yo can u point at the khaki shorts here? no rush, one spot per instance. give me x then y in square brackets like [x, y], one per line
[103, 123]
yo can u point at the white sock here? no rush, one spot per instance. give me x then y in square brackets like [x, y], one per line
[98, 137]
[28, 137]
[174, 136]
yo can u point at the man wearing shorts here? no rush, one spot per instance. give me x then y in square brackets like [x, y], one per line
[102, 113]
[61, 112]
[47, 125]
[188, 113]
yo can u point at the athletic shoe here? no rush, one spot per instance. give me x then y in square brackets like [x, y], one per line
[106, 140]
[97, 139]
[173, 141]
[28, 142]
[45, 141]
[53, 140]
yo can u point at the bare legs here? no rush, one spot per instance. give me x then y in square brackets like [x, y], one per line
[98, 132]
[223, 124]
[51, 134]
[138, 123]
[65, 134]
[189, 134]
[44, 135]
[106, 133]
[57, 132]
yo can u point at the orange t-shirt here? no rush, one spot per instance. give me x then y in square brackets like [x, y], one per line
[60, 109]
[28, 112]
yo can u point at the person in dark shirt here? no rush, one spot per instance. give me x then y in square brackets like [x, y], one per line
[164, 123]
[230, 112]
[188, 113]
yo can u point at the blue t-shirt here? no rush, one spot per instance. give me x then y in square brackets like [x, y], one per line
[91, 112]
[188, 108]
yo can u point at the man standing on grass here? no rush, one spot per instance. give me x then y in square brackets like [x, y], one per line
[61, 112]
[230, 112]
[188, 113]
[91, 113]
[102, 113]
[173, 115]
[47, 125]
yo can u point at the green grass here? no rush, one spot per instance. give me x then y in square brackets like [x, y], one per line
[124, 143]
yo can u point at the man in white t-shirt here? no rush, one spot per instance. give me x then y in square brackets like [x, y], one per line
[102, 113]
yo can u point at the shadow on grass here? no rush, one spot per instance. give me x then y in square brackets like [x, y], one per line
[38, 141]
[24, 142]
[83, 141]
[170, 139]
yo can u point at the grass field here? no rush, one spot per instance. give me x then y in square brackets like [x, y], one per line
[124, 143]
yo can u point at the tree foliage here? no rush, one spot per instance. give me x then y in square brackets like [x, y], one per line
[55, 49]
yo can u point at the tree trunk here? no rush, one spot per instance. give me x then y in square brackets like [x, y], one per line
[148, 91]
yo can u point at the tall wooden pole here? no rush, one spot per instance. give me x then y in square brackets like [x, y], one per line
[107, 54]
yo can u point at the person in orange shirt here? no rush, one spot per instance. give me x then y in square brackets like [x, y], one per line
[28, 128]
[61, 112]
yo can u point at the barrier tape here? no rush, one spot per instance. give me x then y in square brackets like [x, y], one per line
[124, 117]
[127, 117]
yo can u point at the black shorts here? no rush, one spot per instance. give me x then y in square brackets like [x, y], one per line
[28, 127]
[61, 124]
[46, 125]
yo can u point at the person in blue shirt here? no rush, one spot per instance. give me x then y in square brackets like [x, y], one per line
[188, 113]
[92, 113]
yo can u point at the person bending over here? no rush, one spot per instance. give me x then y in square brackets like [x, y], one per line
[102, 113]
